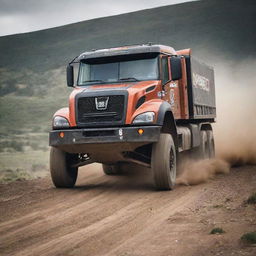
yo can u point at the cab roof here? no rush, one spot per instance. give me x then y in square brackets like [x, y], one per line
[127, 50]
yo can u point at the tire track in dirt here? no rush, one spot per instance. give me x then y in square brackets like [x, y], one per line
[105, 216]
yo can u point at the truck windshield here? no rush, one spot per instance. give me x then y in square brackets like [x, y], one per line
[133, 70]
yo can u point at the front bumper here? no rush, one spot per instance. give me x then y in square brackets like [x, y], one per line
[83, 140]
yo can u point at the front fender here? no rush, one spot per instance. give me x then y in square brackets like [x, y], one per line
[151, 105]
[166, 119]
[72, 106]
[164, 108]
[64, 112]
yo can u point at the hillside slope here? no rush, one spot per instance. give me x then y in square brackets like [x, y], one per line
[221, 27]
[214, 29]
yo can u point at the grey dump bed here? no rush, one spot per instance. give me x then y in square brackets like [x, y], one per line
[201, 90]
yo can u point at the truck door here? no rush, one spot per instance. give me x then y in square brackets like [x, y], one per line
[170, 87]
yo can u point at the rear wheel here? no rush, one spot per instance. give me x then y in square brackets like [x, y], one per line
[211, 145]
[114, 169]
[202, 151]
[62, 173]
[204, 148]
[163, 162]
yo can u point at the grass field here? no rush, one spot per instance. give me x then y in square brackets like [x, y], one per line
[25, 123]
[28, 160]
[23, 165]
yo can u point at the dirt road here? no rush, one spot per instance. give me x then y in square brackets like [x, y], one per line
[125, 216]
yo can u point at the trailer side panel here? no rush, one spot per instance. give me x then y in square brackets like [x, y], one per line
[201, 90]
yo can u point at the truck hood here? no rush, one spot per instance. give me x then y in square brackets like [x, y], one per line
[122, 86]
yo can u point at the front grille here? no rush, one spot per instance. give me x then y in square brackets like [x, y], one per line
[89, 114]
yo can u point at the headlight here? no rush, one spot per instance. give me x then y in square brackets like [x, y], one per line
[60, 122]
[147, 117]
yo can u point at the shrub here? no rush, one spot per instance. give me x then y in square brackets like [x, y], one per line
[249, 237]
[10, 175]
[252, 199]
[16, 145]
[217, 231]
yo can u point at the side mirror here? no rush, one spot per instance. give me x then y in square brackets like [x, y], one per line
[70, 76]
[176, 68]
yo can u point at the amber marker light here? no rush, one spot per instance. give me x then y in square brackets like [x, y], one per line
[140, 131]
[61, 134]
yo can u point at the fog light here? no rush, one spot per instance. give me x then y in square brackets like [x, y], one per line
[140, 131]
[61, 134]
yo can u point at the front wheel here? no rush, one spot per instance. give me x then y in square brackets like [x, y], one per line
[62, 173]
[163, 162]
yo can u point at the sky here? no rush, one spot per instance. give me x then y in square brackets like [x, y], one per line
[19, 16]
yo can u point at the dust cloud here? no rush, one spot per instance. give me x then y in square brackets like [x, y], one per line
[195, 172]
[235, 129]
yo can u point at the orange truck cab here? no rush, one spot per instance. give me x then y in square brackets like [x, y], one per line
[142, 104]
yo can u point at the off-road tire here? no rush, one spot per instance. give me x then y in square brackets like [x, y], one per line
[163, 162]
[211, 145]
[114, 169]
[63, 175]
[202, 151]
[204, 147]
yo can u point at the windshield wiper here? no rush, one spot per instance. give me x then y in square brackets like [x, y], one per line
[128, 79]
[96, 80]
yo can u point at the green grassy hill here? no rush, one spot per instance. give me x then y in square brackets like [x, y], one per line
[220, 26]
[212, 28]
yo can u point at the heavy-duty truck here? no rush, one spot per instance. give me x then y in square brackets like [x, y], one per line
[145, 104]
